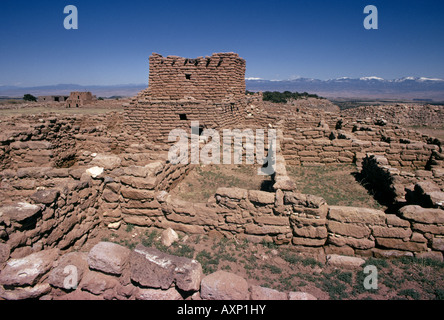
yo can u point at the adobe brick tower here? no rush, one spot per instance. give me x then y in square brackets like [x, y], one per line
[210, 90]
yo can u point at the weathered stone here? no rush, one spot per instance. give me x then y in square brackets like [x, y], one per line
[153, 268]
[438, 244]
[388, 254]
[168, 237]
[266, 229]
[422, 215]
[19, 211]
[23, 293]
[301, 296]
[136, 194]
[94, 171]
[261, 197]
[110, 196]
[114, 226]
[108, 257]
[272, 220]
[285, 185]
[232, 193]
[310, 232]
[261, 293]
[5, 250]
[156, 294]
[357, 215]
[399, 244]
[46, 196]
[69, 270]
[139, 183]
[106, 161]
[308, 242]
[28, 270]
[395, 221]
[428, 228]
[223, 285]
[348, 229]
[98, 283]
[362, 244]
[385, 232]
[344, 261]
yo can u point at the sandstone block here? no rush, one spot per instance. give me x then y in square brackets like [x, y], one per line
[388, 254]
[344, 261]
[46, 196]
[348, 229]
[438, 244]
[156, 294]
[70, 267]
[153, 268]
[223, 285]
[28, 270]
[422, 215]
[385, 232]
[168, 237]
[97, 282]
[108, 257]
[357, 215]
[399, 244]
[23, 293]
[19, 211]
[232, 193]
[261, 197]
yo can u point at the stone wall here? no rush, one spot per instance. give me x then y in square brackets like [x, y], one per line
[215, 78]
[112, 272]
[210, 90]
[311, 140]
[61, 213]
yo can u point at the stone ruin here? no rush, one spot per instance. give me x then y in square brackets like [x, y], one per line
[65, 178]
[210, 90]
[79, 99]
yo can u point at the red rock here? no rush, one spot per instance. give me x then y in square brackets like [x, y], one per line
[223, 285]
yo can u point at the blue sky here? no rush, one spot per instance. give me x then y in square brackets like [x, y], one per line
[278, 39]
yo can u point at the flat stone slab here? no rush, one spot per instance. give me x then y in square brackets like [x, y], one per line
[69, 271]
[108, 257]
[46, 196]
[28, 270]
[344, 261]
[19, 211]
[155, 269]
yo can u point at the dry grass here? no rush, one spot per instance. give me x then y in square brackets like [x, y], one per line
[336, 184]
[203, 181]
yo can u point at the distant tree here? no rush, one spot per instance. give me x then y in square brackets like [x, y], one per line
[100, 98]
[29, 97]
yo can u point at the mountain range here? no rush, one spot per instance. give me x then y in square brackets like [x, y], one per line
[366, 87]
[411, 88]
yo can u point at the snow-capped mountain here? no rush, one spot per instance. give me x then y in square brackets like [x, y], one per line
[369, 86]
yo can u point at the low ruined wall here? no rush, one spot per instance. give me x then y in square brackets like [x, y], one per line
[62, 216]
[112, 272]
[394, 186]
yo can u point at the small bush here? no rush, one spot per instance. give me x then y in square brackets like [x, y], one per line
[29, 97]
[412, 293]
